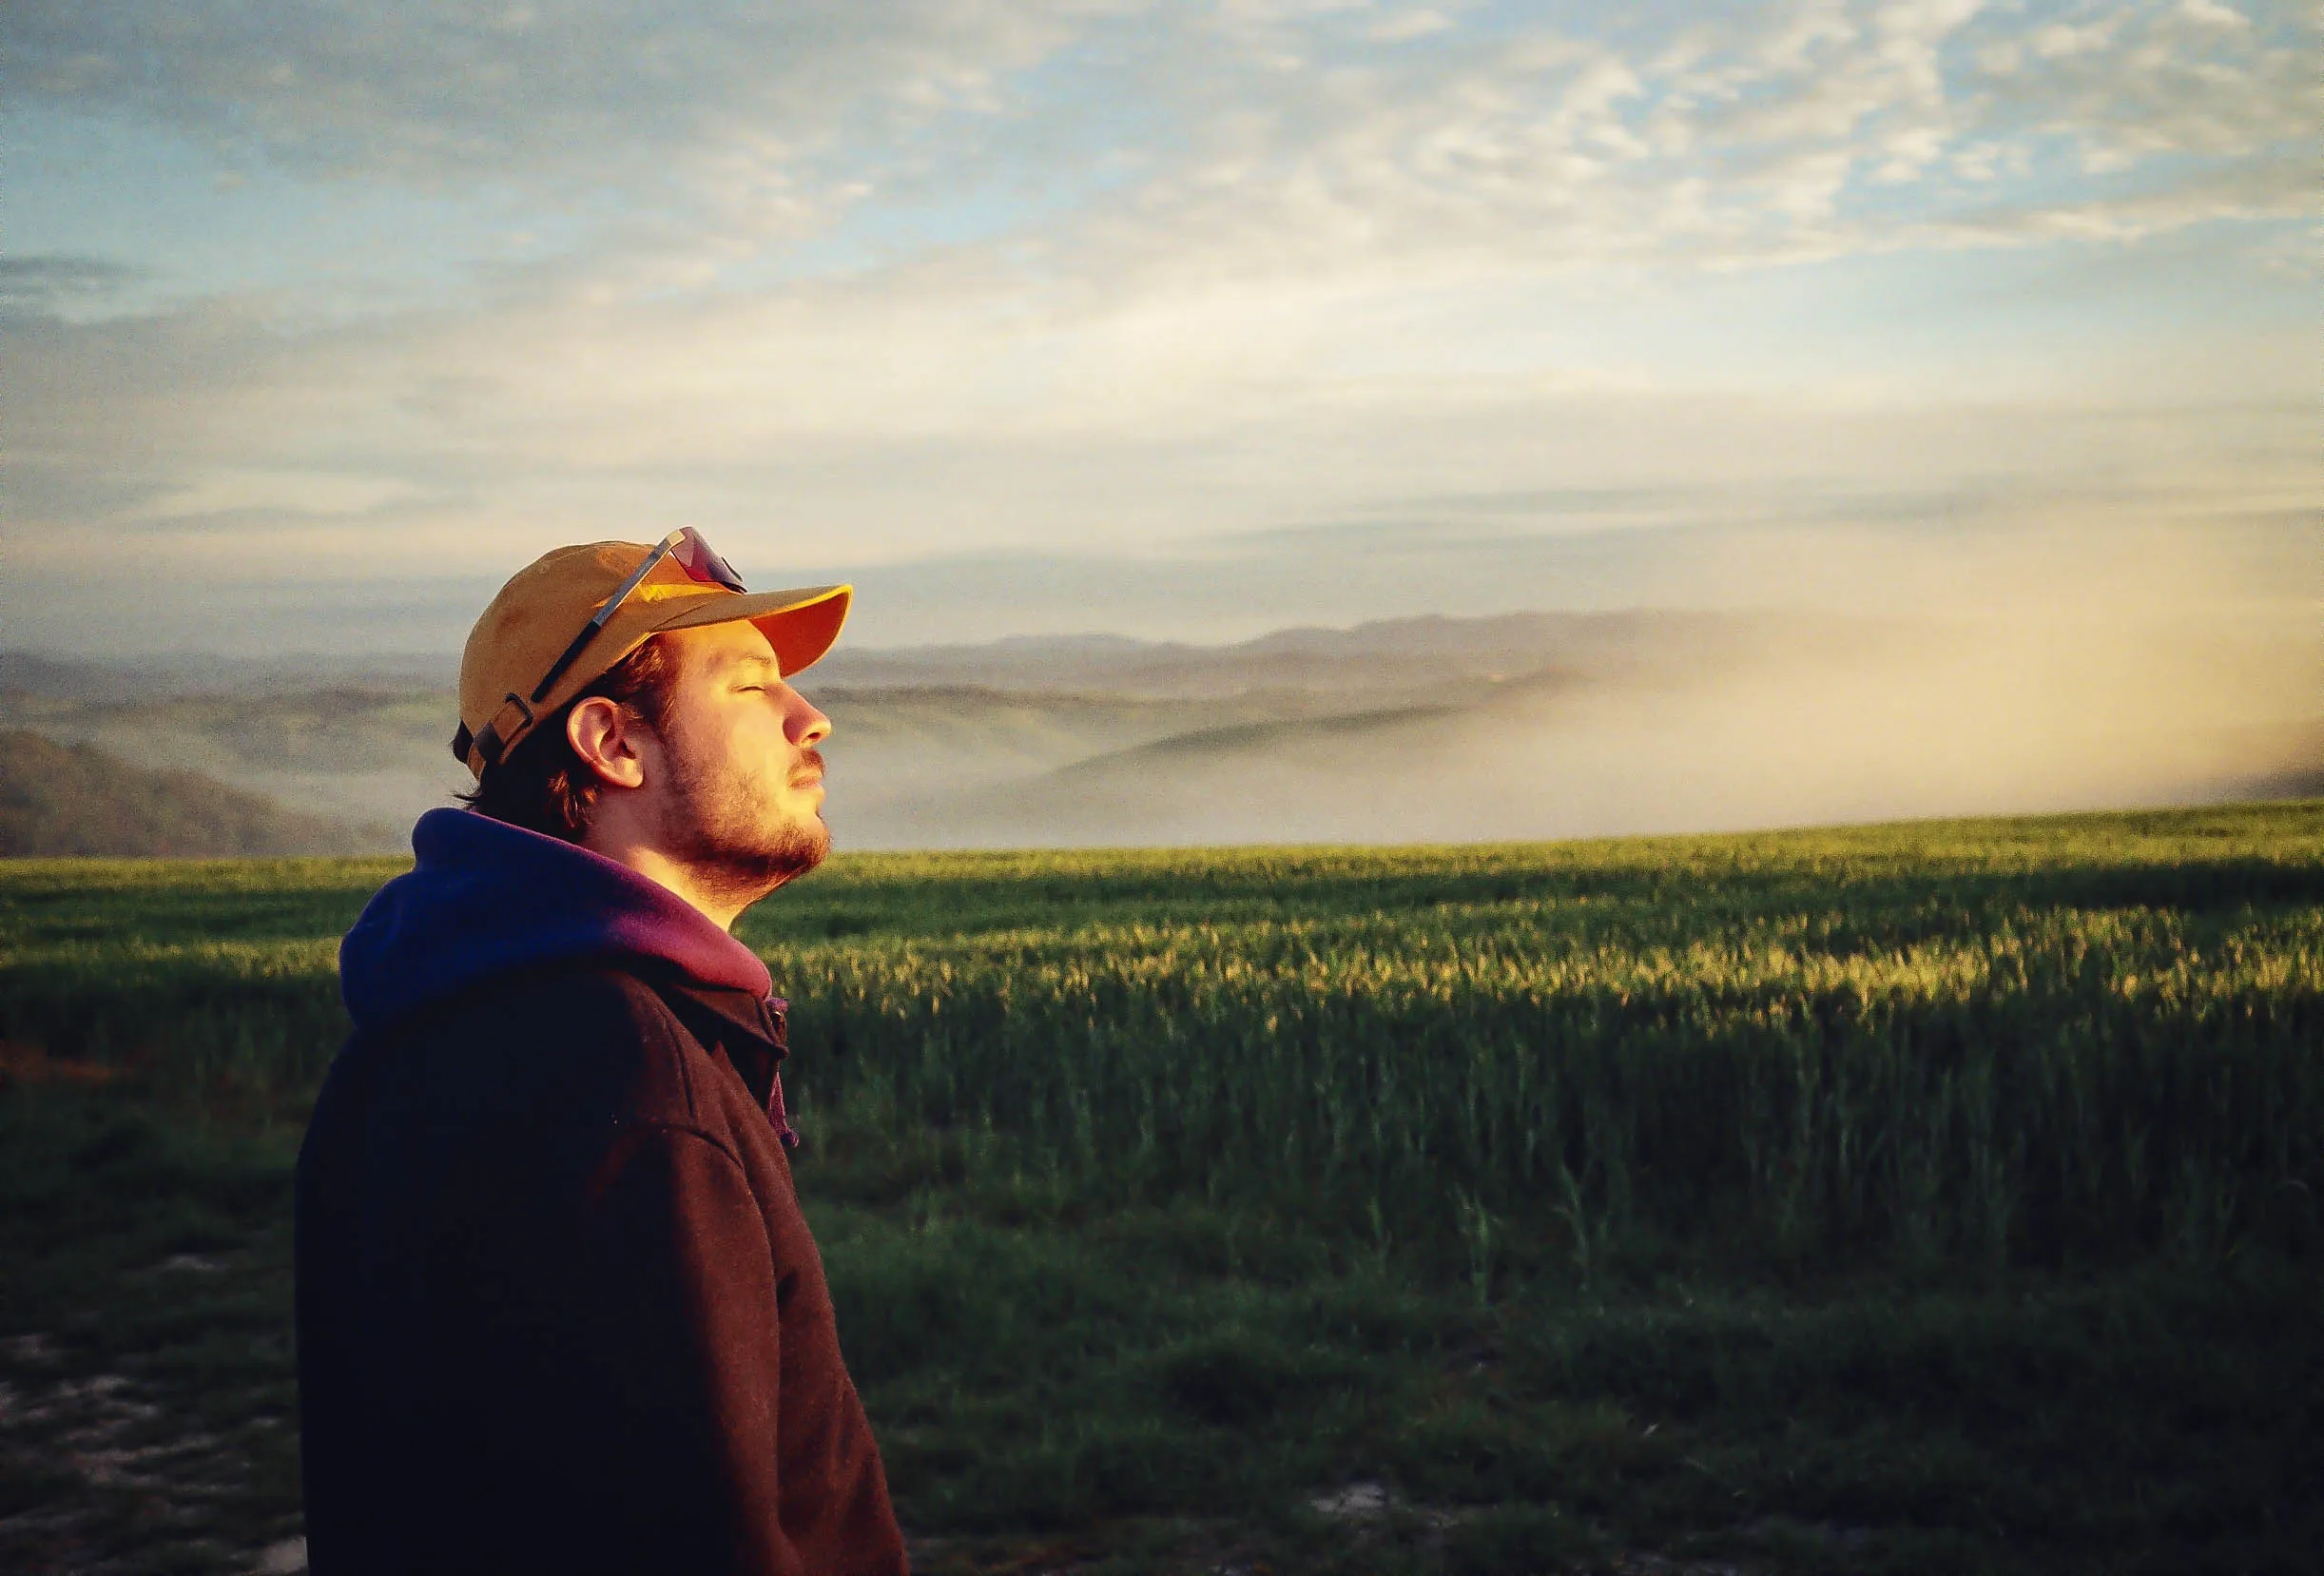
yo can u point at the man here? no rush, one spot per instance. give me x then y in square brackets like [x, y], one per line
[558, 1308]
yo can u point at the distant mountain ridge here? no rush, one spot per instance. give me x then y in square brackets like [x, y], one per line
[1401, 653]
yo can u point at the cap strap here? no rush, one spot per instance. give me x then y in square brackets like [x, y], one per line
[499, 735]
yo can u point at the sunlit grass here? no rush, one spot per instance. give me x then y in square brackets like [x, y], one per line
[1928, 1197]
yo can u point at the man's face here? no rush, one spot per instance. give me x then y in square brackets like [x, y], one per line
[742, 786]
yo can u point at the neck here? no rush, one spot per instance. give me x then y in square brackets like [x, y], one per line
[717, 900]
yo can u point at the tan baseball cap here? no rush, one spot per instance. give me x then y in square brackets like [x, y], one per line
[506, 683]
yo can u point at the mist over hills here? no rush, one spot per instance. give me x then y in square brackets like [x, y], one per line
[369, 757]
[1385, 657]
[76, 800]
[128, 680]
[1529, 725]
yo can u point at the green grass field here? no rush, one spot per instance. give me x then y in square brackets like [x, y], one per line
[1929, 1197]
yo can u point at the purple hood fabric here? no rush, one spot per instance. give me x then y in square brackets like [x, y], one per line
[487, 899]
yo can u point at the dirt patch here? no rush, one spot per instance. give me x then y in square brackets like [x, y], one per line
[1358, 1499]
[98, 1476]
[25, 1065]
[286, 1558]
[32, 1350]
[1367, 1501]
[201, 1264]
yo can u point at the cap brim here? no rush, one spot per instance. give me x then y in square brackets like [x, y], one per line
[801, 624]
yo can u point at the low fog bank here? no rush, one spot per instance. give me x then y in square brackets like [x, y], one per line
[1966, 719]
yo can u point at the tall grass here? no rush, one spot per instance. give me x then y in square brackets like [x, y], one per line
[1930, 1042]
[2090, 1038]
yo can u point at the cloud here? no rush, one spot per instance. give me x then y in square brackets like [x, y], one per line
[897, 282]
[586, 90]
[2211, 13]
[55, 285]
[885, 419]
[1778, 134]
[1248, 140]
[1402, 26]
[2151, 83]
[2280, 186]
[2059, 565]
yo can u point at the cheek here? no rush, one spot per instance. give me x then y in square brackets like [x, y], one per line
[736, 745]
[762, 747]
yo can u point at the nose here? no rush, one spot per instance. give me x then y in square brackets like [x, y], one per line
[801, 723]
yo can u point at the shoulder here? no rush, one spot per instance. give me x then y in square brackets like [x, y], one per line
[598, 996]
[599, 1033]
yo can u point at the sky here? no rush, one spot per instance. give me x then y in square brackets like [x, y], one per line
[1188, 321]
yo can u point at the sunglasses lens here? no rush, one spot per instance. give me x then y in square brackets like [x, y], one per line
[700, 562]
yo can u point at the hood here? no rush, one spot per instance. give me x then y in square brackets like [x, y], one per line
[487, 899]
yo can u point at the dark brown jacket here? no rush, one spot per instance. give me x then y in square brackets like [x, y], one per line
[557, 1307]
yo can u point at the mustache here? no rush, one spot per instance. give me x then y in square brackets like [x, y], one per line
[810, 765]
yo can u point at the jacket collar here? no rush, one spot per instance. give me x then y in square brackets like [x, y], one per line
[485, 899]
[752, 1031]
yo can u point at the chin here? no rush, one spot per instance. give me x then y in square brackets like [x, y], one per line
[809, 837]
[773, 854]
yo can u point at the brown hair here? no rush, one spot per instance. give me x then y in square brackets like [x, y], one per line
[542, 785]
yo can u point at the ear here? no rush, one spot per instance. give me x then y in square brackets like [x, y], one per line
[606, 738]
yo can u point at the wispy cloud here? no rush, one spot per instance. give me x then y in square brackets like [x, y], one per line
[875, 283]
[589, 91]
[1244, 139]
[53, 286]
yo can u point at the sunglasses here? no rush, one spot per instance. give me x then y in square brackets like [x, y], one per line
[685, 547]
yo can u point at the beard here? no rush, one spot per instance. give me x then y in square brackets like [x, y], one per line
[725, 823]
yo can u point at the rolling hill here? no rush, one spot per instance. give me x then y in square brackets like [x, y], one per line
[74, 799]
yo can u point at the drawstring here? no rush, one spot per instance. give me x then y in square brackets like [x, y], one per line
[778, 1024]
[781, 1117]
